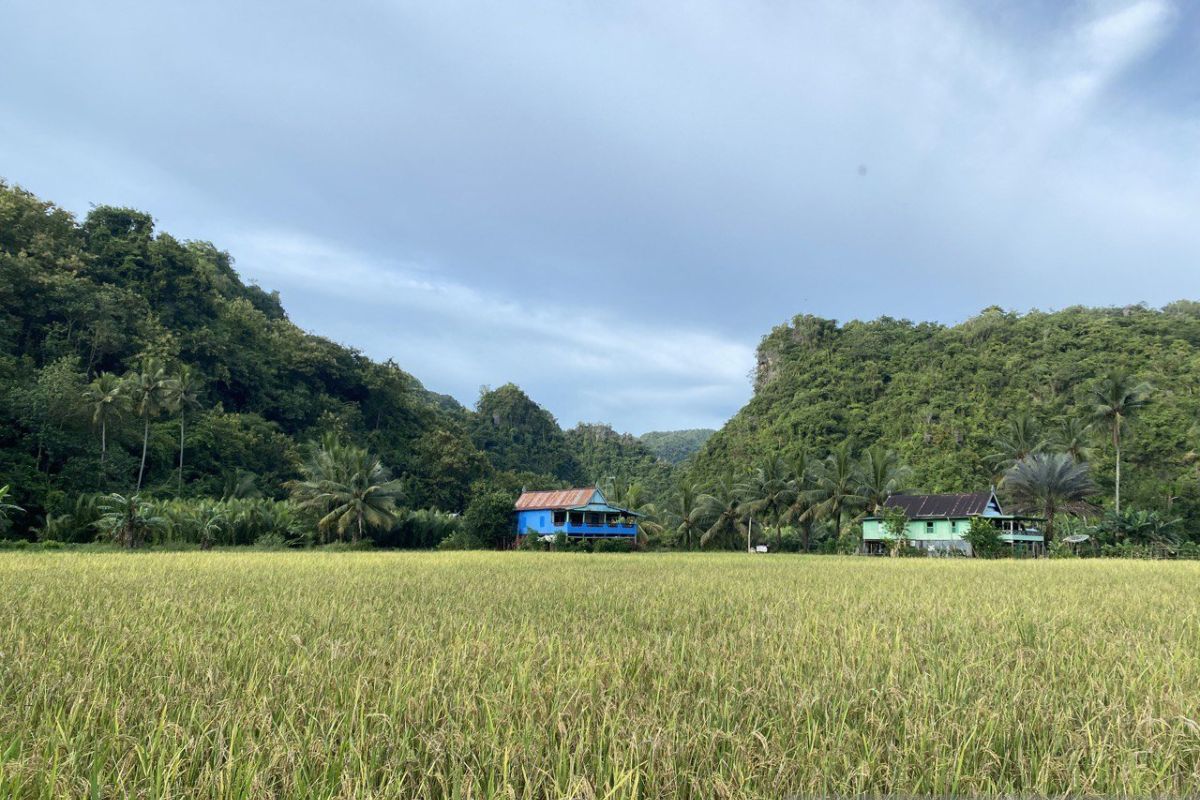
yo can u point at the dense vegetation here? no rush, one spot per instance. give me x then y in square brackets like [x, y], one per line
[675, 447]
[958, 405]
[132, 362]
[672, 676]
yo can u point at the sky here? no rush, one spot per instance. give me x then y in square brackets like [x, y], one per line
[610, 203]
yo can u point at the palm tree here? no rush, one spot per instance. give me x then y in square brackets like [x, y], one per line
[1022, 438]
[126, 519]
[1115, 400]
[1049, 483]
[181, 394]
[882, 475]
[106, 400]
[630, 497]
[686, 513]
[725, 507]
[5, 508]
[835, 488]
[148, 391]
[801, 470]
[1073, 436]
[349, 487]
[769, 493]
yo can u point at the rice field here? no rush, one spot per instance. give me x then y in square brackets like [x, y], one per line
[531, 675]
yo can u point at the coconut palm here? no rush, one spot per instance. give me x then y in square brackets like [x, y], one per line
[725, 506]
[801, 469]
[881, 476]
[1073, 436]
[147, 390]
[181, 394]
[106, 400]
[631, 496]
[348, 487]
[1049, 483]
[769, 493]
[836, 488]
[686, 513]
[1116, 399]
[1023, 437]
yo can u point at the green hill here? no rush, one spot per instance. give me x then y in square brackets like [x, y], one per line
[941, 395]
[675, 447]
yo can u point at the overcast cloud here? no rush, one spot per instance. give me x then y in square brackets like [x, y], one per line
[609, 202]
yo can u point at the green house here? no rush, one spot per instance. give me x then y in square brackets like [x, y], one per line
[937, 522]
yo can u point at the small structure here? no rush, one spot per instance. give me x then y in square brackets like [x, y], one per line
[937, 522]
[578, 513]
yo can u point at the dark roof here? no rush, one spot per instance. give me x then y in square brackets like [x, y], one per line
[917, 506]
[557, 500]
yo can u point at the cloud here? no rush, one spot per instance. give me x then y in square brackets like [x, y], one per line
[609, 203]
[577, 352]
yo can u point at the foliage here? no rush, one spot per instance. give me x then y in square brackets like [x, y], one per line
[516, 434]
[895, 525]
[984, 538]
[127, 520]
[348, 488]
[488, 520]
[1050, 483]
[675, 447]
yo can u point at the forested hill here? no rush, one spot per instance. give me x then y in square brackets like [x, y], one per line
[109, 298]
[675, 447]
[941, 396]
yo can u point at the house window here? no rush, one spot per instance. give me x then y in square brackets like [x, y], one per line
[929, 528]
[560, 518]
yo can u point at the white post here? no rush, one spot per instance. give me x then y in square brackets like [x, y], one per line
[749, 531]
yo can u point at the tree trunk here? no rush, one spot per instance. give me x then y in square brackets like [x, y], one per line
[145, 444]
[179, 491]
[359, 532]
[1117, 449]
[103, 450]
[805, 535]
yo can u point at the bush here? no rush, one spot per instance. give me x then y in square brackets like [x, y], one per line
[984, 538]
[271, 541]
[612, 546]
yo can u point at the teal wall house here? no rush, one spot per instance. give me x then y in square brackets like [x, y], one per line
[578, 513]
[937, 522]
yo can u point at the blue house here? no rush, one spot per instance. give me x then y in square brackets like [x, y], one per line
[580, 513]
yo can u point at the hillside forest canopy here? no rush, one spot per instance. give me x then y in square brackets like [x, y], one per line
[150, 396]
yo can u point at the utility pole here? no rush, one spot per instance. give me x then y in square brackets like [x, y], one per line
[749, 530]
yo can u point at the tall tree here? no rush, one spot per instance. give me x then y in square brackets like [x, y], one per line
[836, 488]
[770, 492]
[182, 394]
[1049, 483]
[348, 487]
[148, 391]
[801, 468]
[686, 512]
[1116, 399]
[725, 506]
[106, 400]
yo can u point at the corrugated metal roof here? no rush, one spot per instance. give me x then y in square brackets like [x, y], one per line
[916, 506]
[556, 499]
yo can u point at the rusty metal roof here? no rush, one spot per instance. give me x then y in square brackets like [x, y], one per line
[557, 499]
[917, 506]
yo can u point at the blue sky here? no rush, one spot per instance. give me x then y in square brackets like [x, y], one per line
[610, 203]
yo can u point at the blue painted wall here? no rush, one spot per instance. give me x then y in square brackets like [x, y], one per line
[542, 522]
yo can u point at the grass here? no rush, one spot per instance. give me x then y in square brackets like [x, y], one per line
[223, 675]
